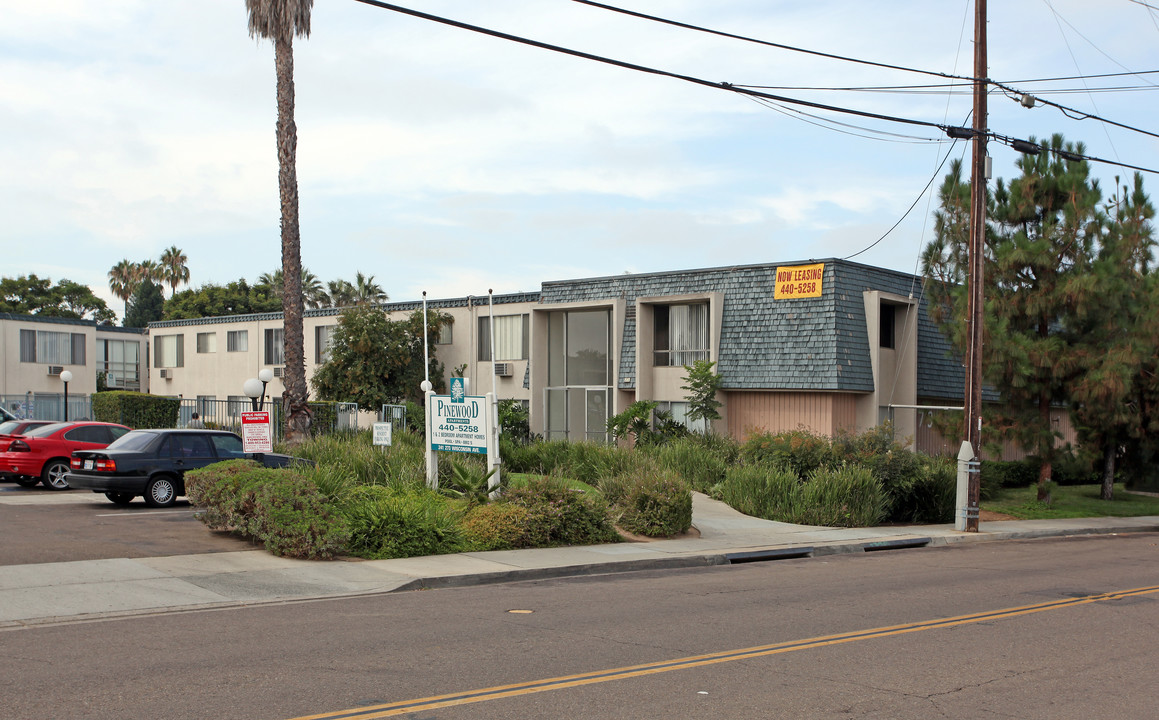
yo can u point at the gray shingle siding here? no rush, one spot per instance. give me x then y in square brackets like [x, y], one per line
[765, 344]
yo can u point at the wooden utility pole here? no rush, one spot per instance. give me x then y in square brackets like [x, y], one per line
[973, 399]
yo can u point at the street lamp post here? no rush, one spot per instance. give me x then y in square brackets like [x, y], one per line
[265, 375]
[255, 389]
[66, 376]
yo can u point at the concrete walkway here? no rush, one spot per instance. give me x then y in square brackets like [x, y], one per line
[32, 595]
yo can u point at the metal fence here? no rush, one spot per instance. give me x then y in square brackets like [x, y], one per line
[226, 415]
[220, 414]
[47, 406]
[395, 415]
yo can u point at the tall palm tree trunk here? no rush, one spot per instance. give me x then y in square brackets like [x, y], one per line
[297, 412]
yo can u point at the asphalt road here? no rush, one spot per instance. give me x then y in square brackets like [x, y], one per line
[863, 636]
[44, 526]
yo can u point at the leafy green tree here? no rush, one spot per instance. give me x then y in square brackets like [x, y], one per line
[280, 21]
[375, 360]
[147, 305]
[703, 385]
[32, 295]
[209, 300]
[1046, 226]
[1110, 336]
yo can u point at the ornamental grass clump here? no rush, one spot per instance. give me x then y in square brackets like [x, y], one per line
[654, 504]
[386, 522]
[559, 515]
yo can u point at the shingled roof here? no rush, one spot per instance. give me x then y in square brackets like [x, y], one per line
[817, 344]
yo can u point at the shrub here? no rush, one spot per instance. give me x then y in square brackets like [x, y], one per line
[468, 482]
[392, 523]
[935, 494]
[849, 496]
[559, 515]
[281, 508]
[763, 491]
[538, 457]
[590, 461]
[497, 526]
[655, 504]
[137, 410]
[227, 493]
[294, 520]
[798, 450]
[689, 457]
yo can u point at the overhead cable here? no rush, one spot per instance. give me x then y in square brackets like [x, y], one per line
[643, 68]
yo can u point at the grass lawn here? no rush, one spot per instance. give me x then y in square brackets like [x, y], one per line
[1071, 501]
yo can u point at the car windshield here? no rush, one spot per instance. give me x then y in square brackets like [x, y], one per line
[135, 440]
[6, 428]
[45, 430]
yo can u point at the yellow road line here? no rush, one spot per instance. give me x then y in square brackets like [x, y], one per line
[623, 673]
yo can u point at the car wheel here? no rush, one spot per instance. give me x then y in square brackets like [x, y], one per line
[52, 477]
[120, 498]
[27, 481]
[160, 492]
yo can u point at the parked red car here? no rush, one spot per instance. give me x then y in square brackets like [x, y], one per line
[42, 453]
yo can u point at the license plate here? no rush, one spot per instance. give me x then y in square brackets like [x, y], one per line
[88, 464]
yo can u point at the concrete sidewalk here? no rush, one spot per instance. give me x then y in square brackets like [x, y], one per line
[32, 595]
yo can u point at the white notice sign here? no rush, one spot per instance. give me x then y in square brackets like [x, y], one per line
[382, 433]
[255, 432]
[458, 425]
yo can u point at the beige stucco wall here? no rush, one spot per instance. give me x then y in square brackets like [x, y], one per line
[23, 377]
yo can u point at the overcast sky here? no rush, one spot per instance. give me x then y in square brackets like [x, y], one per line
[442, 160]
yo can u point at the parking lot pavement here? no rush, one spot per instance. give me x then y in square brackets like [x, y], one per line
[45, 526]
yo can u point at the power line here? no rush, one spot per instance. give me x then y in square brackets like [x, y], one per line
[645, 69]
[910, 208]
[818, 53]
[1078, 114]
[953, 132]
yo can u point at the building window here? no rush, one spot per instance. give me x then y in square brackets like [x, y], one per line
[207, 342]
[511, 337]
[237, 404]
[120, 361]
[579, 375]
[680, 334]
[323, 337]
[887, 315]
[275, 347]
[169, 351]
[53, 348]
[237, 341]
[678, 412]
[445, 334]
[205, 406]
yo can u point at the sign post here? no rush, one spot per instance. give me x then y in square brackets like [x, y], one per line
[255, 432]
[462, 423]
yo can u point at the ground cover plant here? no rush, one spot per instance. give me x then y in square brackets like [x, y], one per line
[371, 501]
[1070, 501]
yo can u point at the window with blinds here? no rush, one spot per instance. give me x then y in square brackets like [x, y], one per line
[511, 337]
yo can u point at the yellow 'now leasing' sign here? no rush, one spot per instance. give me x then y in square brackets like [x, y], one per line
[799, 281]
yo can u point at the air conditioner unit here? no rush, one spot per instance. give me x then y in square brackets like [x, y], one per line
[55, 369]
[279, 371]
[503, 369]
[166, 374]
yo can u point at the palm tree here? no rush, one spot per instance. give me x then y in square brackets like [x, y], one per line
[173, 269]
[122, 281]
[313, 292]
[366, 291]
[280, 21]
[339, 293]
[146, 270]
